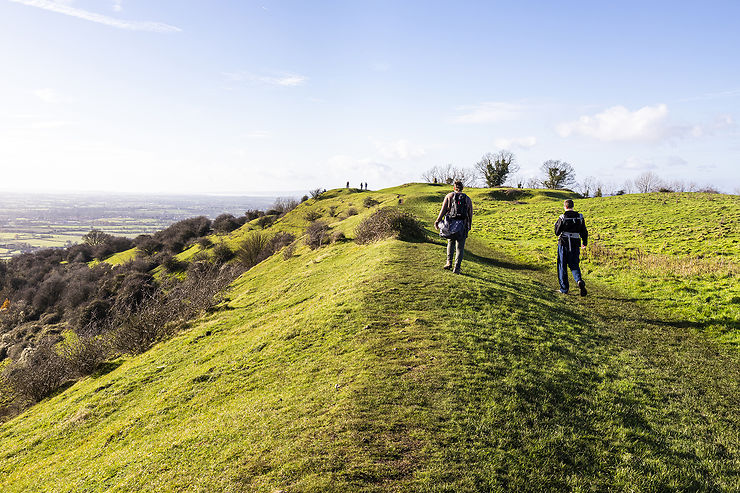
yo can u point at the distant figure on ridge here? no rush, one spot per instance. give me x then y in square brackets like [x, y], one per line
[571, 230]
[347, 184]
[366, 186]
[457, 212]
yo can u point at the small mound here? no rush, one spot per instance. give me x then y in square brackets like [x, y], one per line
[389, 222]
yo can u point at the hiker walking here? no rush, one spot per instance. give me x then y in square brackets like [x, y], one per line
[571, 230]
[453, 223]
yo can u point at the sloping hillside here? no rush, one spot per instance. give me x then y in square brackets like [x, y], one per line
[370, 368]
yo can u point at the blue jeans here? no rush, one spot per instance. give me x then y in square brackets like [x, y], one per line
[568, 258]
[458, 247]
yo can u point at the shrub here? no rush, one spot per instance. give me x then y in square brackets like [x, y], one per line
[312, 215]
[134, 289]
[205, 243]
[83, 354]
[225, 223]
[389, 223]
[39, 372]
[250, 249]
[333, 211]
[351, 212]
[279, 241]
[94, 316]
[304, 198]
[370, 202]
[266, 221]
[252, 214]
[317, 234]
[222, 253]
[283, 205]
[289, 251]
[172, 264]
[337, 236]
[316, 193]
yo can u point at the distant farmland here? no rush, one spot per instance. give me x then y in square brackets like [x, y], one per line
[30, 222]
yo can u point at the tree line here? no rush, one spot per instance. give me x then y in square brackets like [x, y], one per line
[500, 169]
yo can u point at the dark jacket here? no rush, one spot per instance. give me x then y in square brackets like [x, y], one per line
[447, 204]
[572, 223]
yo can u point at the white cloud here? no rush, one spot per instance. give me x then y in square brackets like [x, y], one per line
[673, 161]
[720, 124]
[63, 8]
[47, 94]
[399, 149]
[638, 164]
[492, 112]
[620, 124]
[516, 142]
[285, 80]
[117, 5]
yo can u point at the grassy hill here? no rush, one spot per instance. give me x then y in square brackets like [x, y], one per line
[368, 367]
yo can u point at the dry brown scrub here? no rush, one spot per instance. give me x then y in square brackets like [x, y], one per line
[653, 263]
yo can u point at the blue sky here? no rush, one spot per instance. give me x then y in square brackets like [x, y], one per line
[184, 96]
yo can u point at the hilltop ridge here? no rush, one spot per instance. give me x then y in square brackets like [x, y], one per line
[367, 367]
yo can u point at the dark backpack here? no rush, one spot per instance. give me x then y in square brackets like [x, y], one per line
[459, 206]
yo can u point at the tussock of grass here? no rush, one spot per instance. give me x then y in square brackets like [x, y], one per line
[660, 265]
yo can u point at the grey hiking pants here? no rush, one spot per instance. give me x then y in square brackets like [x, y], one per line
[458, 247]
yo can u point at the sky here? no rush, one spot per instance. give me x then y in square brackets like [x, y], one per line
[241, 96]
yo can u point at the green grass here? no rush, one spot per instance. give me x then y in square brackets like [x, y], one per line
[677, 253]
[369, 368]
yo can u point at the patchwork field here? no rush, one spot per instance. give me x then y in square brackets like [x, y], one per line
[30, 222]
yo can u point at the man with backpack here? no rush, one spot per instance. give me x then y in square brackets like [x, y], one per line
[457, 212]
[571, 230]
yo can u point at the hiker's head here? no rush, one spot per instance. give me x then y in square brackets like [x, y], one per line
[458, 186]
[568, 204]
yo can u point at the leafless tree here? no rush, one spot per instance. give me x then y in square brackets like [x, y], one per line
[648, 182]
[449, 174]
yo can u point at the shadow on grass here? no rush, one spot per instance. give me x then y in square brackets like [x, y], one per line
[502, 263]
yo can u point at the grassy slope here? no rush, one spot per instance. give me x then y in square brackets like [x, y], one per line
[368, 367]
[679, 253]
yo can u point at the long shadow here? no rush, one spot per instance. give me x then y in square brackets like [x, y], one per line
[503, 263]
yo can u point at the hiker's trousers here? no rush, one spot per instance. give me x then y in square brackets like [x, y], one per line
[458, 247]
[568, 258]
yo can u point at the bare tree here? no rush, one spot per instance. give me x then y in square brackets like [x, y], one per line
[587, 187]
[558, 174]
[283, 205]
[494, 168]
[648, 182]
[449, 174]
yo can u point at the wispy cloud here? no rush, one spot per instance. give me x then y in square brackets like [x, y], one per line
[117, 5]
[620, 124]
[62, 8]
[285, 80]
[638, 164]
[48, 95]
[490, 112]
[712, 95]
[399, 149]
[516, 142]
